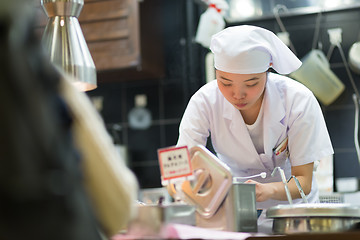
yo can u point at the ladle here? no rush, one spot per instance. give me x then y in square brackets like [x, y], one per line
[238, 179]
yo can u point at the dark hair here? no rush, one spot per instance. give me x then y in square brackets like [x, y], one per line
[41, 189]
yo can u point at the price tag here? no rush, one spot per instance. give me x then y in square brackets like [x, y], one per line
[174, 163]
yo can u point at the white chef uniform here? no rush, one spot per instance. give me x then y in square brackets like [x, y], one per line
[288, 109]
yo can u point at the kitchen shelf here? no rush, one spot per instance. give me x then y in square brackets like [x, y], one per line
[120, 44]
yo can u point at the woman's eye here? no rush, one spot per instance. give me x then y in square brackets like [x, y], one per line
[252, 85]
[226, 85]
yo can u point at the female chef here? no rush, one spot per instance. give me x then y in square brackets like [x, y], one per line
[258, 120]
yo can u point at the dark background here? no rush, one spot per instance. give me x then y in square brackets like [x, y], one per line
[184, 73]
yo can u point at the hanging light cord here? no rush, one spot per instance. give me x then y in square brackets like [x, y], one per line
[356, 98]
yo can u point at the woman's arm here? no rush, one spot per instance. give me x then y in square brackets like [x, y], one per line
[276, 190]
[194, 125]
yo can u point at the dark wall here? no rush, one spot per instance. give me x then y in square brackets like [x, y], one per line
[184, 60]
[166, 97]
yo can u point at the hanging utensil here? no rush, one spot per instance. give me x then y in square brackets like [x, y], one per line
[284, 34]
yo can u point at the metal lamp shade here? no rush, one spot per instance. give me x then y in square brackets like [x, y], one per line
[65, 42]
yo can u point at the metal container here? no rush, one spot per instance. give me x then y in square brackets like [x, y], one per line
[237, 213]
[313, 218]
[220, 203]
[153, 216]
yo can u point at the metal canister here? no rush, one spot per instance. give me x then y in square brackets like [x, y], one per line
[237, 213]
[220, 203]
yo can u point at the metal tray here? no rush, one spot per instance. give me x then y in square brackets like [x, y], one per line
[314, 210]
[313, 218]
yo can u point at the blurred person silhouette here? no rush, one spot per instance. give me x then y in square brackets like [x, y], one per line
[58, 180]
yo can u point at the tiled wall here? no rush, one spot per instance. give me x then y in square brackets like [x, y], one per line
[167, 97]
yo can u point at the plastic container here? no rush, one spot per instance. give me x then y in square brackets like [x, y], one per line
[315, 73]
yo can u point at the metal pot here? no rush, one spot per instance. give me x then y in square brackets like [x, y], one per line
[313, 218]
[151, 217]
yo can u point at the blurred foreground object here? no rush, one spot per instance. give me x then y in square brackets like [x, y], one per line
[48, 183]
[112, 186]
[41, 186]
[65, 43]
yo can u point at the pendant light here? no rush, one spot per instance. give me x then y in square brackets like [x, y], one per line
[65, 43]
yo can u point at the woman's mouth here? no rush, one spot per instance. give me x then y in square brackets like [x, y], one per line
[241, 105]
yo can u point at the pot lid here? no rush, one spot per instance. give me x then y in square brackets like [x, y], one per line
[314, 210]
[213, 181]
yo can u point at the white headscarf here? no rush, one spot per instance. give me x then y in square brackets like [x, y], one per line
[249, 49]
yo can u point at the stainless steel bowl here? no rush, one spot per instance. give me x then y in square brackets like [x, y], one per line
[151, 217]
[313, 218]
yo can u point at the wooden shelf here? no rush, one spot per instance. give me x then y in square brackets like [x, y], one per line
[112, 30]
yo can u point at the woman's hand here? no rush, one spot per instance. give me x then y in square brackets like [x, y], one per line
[276, 190]
[263, 191]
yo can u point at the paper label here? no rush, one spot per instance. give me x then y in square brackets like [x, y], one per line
[174, 163]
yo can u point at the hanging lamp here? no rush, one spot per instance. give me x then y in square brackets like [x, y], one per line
[65, 42]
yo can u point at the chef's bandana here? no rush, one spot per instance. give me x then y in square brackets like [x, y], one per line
[249, 49]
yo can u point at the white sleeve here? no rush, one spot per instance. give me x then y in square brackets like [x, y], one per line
[194, 126]
[309, 139]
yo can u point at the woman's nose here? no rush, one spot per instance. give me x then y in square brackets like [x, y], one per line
[239, 94]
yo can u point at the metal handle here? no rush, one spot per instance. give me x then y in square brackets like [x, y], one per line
[283, 179]
[302, 194]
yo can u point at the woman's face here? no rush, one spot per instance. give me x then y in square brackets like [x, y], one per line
[243, 91]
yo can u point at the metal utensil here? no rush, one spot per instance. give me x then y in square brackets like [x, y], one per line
[239, 179]
[283, 179]
[302, 194]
